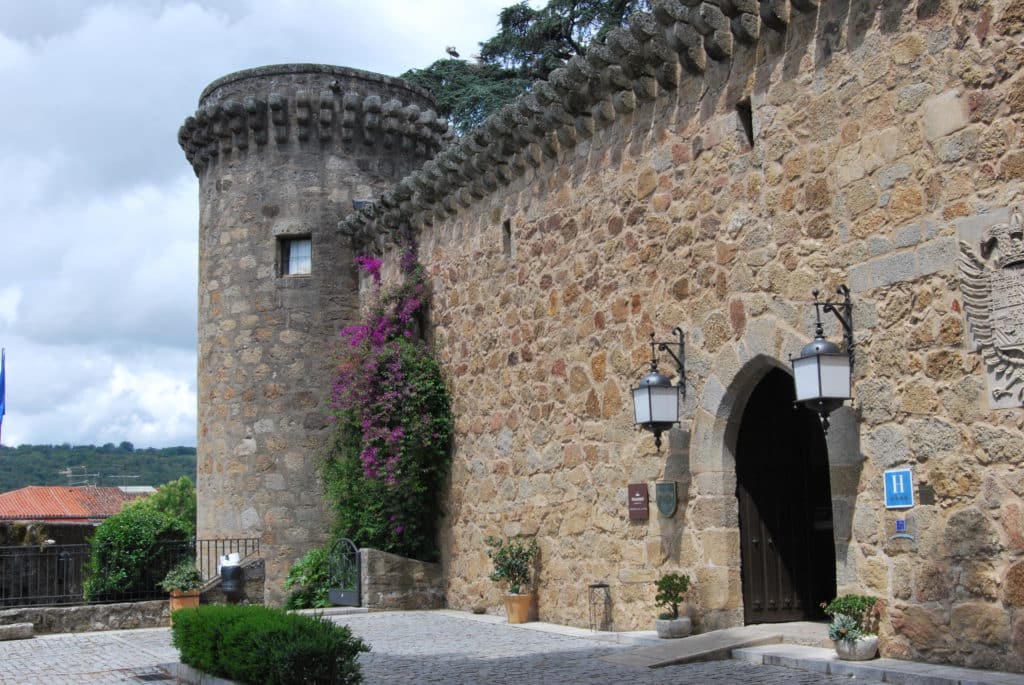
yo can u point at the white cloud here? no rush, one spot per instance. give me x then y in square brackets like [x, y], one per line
[98, 288]
[10, 298]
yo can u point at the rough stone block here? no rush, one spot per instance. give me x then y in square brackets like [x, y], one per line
[907, 236]
[944, 114]
[937, 256]
[894, 268]
[16, 631]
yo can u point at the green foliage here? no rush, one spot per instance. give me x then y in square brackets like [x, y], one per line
[183, 576]
[256, 644]
[529, 45]
[672, 589]
[40, 464]
[858, 611]
[309, 580]
[401, 516]
[534, 42]
[845, 627]
[468, 92]
[514, 559]
[128, 551]
[177, 499]
[389, 456]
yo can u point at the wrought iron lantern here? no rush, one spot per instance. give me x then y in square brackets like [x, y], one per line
[655, 399]
[823, 373]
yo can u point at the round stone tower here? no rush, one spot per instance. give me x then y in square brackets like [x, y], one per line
[281, 153]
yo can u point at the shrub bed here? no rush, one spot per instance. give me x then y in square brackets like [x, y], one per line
[255, 644]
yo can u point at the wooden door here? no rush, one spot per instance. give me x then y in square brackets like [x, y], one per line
[785, 507]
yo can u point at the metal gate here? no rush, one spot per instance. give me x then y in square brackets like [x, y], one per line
[344, 561]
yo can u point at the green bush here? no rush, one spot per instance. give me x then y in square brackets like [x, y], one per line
[184, 577]
[862, 609]
[177, 499]
[672, 589]
[309, 580]
[129, 550]
[514, 559]
[255, 644]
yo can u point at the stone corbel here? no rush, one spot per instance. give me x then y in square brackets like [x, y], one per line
[326, 114]
[350, 104]
[371, 118]
[279, 117]
[256, 115]
[302, 114]
[775, 14]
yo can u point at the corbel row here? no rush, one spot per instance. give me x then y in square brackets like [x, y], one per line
[238, 124]
[631, 66]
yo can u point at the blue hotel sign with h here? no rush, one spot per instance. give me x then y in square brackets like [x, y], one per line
[899, 489]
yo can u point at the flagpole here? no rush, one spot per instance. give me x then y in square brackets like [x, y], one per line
[3, 390]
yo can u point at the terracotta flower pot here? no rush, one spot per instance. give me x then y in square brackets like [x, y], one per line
[517, 607]
[183, 599]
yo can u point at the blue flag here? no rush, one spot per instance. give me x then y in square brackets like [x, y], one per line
[3, 388]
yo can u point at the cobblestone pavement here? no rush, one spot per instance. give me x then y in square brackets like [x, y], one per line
[117, 656]
[410, 648]
[422, 647]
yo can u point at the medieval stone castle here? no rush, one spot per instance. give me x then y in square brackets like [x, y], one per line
[706, 168]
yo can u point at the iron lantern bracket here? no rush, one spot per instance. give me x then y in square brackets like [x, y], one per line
[679, 359]
[844, 314]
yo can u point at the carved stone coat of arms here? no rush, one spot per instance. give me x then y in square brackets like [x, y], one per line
[992, 283]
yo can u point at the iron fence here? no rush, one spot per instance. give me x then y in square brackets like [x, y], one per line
[55, 575]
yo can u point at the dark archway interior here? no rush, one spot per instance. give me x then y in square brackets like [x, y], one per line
[785, 507]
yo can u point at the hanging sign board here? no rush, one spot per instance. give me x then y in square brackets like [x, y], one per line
[638, 509]
[899, 489]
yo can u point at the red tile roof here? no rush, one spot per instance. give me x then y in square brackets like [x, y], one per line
[62, 503]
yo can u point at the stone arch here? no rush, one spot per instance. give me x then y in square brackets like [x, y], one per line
[717, 415]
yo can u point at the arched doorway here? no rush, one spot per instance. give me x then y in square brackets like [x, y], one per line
[785, 507]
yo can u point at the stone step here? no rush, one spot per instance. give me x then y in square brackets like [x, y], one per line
[16, 631]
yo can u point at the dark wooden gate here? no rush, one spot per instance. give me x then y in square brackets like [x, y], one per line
[785, 507]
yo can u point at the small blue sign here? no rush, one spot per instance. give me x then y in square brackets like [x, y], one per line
[899, 489]
[901, 525]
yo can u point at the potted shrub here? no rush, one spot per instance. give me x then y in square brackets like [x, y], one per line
[672, 589]
[183, 582]
[854, 622]
[513, 560]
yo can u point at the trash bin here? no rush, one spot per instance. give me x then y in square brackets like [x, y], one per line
[232, 580]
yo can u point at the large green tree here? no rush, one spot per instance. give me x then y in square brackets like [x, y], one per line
[529, 45]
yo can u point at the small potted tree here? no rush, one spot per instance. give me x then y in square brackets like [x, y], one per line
[853, 627]
[513, 560]
[183, 582]
[672, 589]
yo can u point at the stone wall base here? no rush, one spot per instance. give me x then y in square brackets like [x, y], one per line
[76, 619]
[393, 582]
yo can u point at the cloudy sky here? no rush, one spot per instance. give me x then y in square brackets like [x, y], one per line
[99, 227]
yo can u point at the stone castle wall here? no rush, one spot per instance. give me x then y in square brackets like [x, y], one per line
[629, 195]
[280, 152]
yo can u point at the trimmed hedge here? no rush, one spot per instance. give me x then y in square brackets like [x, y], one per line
[255, 644]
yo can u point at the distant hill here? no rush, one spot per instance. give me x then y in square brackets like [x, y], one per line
[91, 465]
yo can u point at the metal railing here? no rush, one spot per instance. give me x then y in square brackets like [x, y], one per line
[55, 575]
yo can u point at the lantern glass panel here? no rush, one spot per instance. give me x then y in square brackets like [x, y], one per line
[835, 376]
[805, 377]
[664, 404]
[642, 405]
